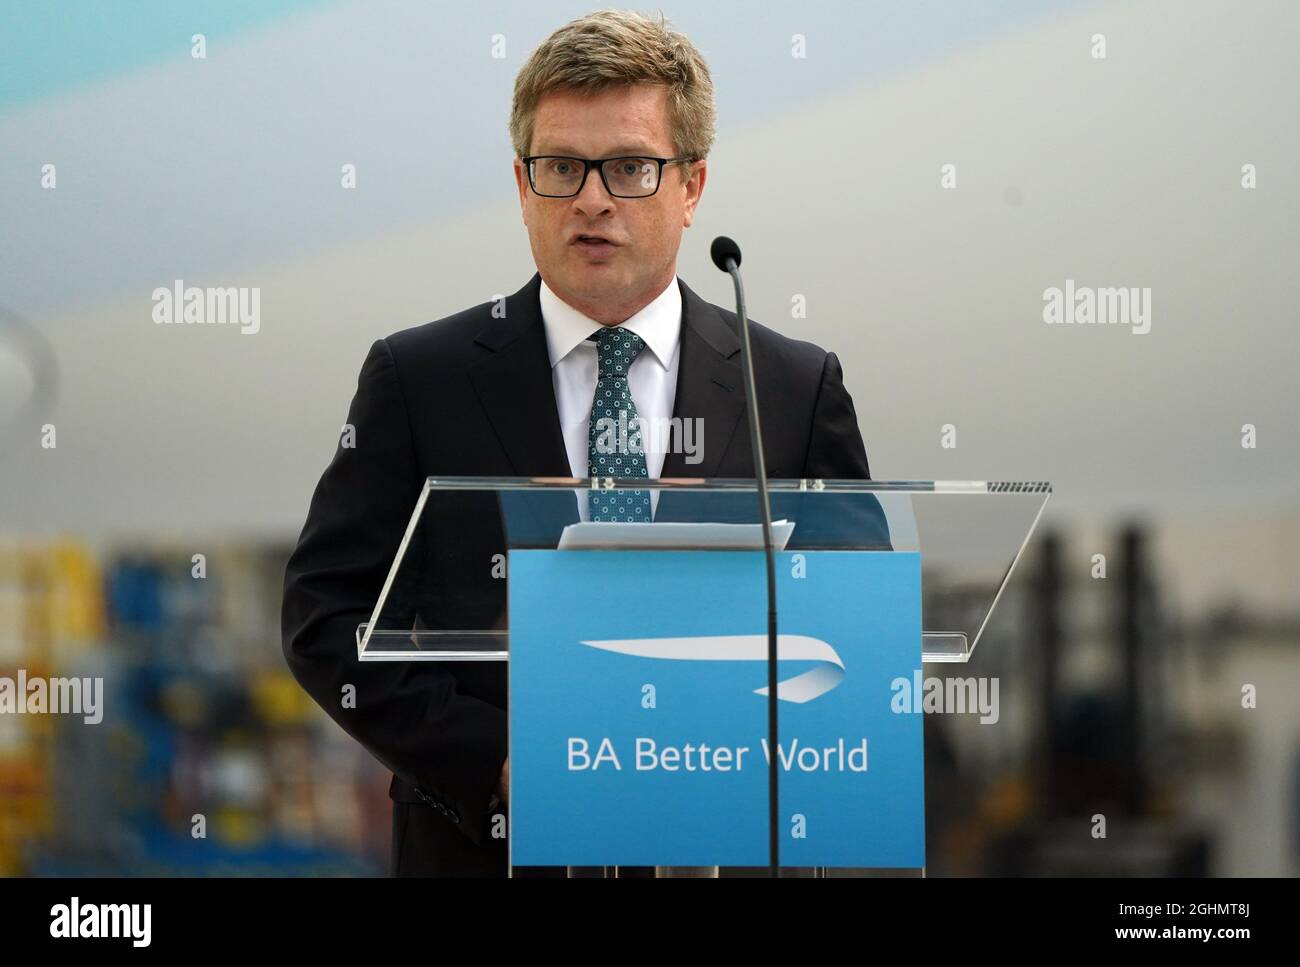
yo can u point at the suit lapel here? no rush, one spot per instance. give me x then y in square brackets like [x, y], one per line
[710, 386]
[514, 385]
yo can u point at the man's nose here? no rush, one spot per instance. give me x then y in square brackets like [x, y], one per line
[593, 198]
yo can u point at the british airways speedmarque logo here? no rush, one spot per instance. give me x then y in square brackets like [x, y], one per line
[817, 681]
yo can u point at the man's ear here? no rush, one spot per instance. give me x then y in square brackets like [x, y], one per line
[694, 189]
[521, 182]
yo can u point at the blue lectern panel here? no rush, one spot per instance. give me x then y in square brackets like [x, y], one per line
[638, 710]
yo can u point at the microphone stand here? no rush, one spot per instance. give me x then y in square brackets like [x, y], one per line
[726, 255]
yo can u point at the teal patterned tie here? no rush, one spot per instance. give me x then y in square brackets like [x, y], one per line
[615, 447]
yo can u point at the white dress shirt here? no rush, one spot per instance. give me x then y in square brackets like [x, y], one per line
[652, 378]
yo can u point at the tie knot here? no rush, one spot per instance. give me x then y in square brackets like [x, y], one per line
[615, 350]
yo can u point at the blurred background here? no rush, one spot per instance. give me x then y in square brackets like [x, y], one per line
[1121, 695]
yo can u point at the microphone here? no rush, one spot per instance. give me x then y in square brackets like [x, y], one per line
[726, 256]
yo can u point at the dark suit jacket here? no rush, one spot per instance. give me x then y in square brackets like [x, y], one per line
[472, 395]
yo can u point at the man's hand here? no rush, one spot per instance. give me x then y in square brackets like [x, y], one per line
[503, 784]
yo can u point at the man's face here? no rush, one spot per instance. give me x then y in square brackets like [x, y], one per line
[608, 284]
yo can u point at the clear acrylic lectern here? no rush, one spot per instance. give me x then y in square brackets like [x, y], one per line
[445, 596]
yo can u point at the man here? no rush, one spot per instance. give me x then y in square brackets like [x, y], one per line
[612, 122]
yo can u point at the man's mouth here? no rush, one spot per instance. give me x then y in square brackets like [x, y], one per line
[594, 244]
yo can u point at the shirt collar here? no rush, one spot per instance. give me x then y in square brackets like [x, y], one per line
[659, 324]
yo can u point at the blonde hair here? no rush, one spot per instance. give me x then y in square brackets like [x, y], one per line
[613, 48]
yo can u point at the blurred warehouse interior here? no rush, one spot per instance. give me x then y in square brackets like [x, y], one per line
[1120, 696]
[206, 722]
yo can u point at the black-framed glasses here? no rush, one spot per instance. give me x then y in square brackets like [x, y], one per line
[559, 176]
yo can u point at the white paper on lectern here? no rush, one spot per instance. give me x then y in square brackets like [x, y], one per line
[657, 535]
